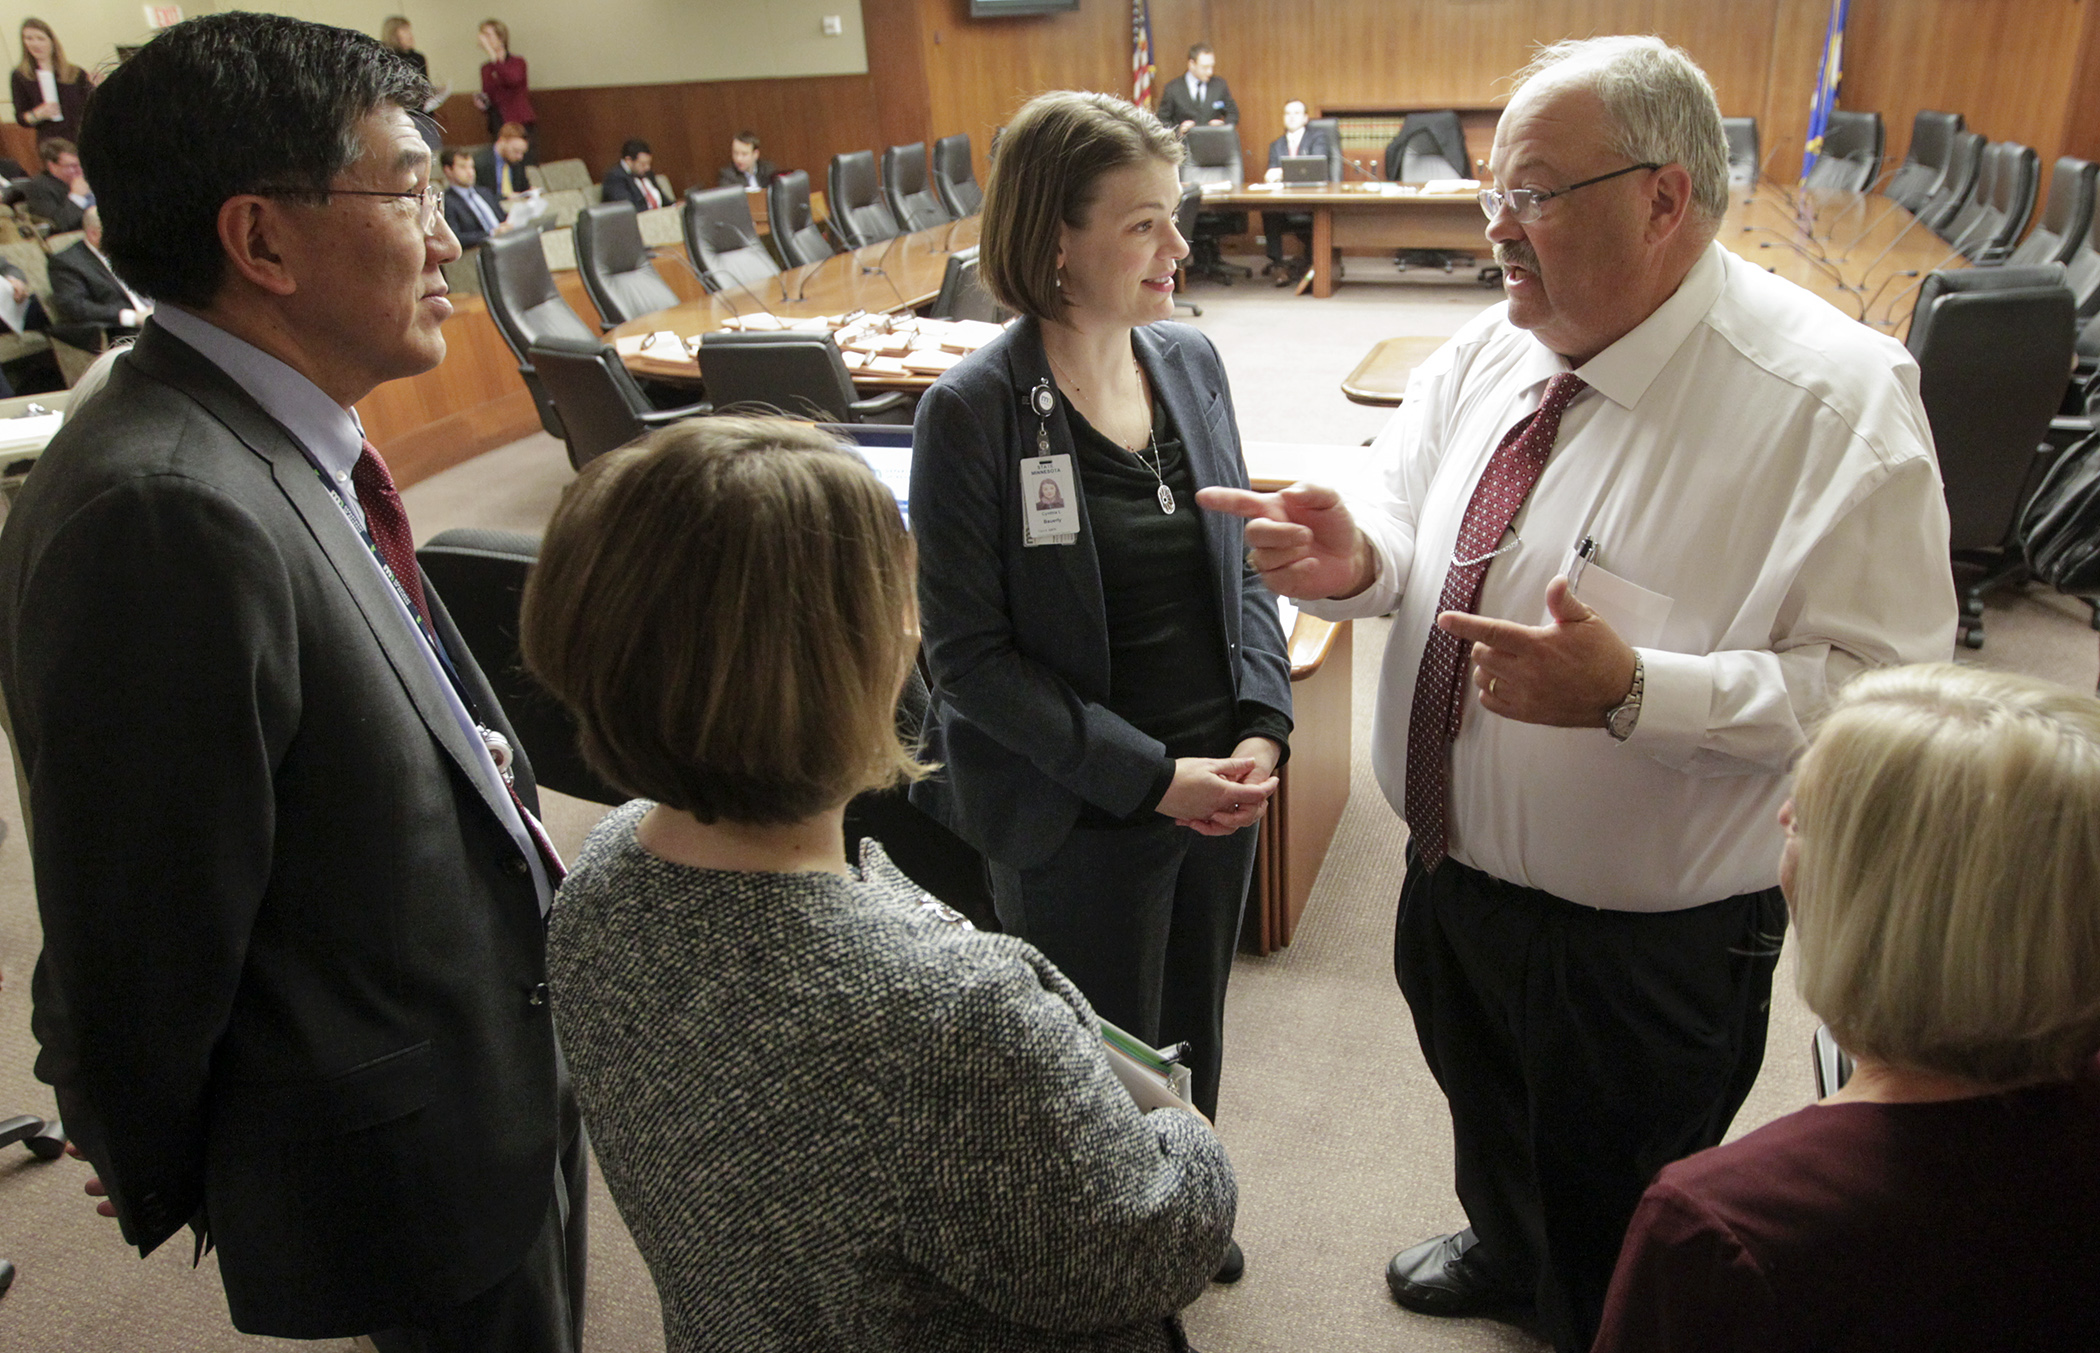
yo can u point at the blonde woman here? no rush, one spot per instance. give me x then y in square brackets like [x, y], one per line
[1942, 862]
[50, 92]
[834, 1116]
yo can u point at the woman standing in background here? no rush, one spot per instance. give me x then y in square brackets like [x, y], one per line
[503, 95]
[396, 34]
[50, 92]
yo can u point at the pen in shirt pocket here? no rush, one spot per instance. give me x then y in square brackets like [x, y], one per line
[1584, 552]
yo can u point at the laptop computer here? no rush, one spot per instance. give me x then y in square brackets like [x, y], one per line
[1305, 169]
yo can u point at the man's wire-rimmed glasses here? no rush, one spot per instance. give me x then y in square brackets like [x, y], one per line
[1525, 204]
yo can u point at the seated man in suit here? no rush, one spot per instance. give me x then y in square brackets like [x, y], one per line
[1297, 139]
[631, 180]
[33, 316]
[1200, 96]
[746, 169]
[85, 290]
[502, 166]
[470, 209]
[59, 194]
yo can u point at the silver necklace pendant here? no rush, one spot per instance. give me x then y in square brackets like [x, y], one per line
[1166, 499]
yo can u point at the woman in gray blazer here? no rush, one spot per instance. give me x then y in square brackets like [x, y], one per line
[836, 1117]
[1111, 692]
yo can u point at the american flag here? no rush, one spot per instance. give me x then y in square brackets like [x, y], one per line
[1141, 68]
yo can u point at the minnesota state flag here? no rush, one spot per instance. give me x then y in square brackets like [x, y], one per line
[1828, 78]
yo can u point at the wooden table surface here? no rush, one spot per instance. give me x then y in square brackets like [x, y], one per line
[1859, 251]
[1380, 379]
[894, 276]
[1365, 215]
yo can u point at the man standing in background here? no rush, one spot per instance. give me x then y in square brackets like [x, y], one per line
[1199, 98]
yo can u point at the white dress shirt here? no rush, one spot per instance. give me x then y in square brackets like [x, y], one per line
[1755, 460]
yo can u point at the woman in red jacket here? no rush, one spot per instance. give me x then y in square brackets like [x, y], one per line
[503, 95]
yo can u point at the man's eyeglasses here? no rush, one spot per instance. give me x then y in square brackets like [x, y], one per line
[1525, 204]
[430, 207]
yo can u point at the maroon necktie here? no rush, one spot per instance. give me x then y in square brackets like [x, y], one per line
[1440, 684]
[387, 522]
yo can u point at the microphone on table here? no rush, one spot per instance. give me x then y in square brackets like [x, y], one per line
[879, 270]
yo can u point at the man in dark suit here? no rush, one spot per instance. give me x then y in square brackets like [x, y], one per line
[59, 194]
[1199, 98]
[501, 165]
[745, 169]
[470, 209]
[1297, 139]
[292, 991]
[84, 290]
[630, 180]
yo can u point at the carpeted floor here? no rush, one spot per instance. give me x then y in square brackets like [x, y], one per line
[1339, 1137]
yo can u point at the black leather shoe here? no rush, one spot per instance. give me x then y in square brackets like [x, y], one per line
[1440, 1276]
[1233, 1266]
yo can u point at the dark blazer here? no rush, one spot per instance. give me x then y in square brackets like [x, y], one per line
[1316, 141]
[485, 165]
[47, 196]
[1017, 636]
[621, 186]
[84, 290]
[1177, 105]
[460, 216]
[293, 963]
[72, 102]
[732, 177]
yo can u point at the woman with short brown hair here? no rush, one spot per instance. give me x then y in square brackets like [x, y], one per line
[834, 1116]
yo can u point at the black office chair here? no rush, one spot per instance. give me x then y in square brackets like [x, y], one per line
[481, 576]
[1998, 210]
[796, 373]
[905, 190]
[527, 307]
[46, 1140]
[1333, 127]
[1924, 165]
[1850, 157]
[1743, 161]
[2067, 220]
[963, 296]
[722, 240]
[1185, 213]
[1992, 346]
[857, 209]
[614, 263]
[955, 176]
[1429, 145]
[1964, 163]
[1214, 157]
[601, 406]
[799, 239]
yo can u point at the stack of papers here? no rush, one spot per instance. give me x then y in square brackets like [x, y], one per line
[1154, 1077]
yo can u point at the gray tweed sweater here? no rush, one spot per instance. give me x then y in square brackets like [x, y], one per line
[835, 1119]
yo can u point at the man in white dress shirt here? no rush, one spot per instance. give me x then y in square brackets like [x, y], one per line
[1671, 502]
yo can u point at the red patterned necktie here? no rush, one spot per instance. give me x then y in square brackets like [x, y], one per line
[387, 521]
[1440, 683]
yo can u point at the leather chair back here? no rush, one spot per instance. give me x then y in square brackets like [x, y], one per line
[527, 307]
[955, 176]
[788, 220]
[614, 263]
[2067, 219]
[799, 374]
[1977, 218]
[1993, 346]
[601, 406]
[1333, 127]
[1743, 161]
[1964, 161]
[857, 210]
[1924, 166]
[1855, 136]
[963, 295]
[722, 240]
[2012, 198]
[909, 196]
[1431, 145]
[481, 576]
[1214, 156]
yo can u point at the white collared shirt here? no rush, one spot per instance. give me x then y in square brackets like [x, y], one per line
[1748, 453]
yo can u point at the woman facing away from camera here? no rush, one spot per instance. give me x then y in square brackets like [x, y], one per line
[834, 1116]
[1111, 691]
[1942, 863]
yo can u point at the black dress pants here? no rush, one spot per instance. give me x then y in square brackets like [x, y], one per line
[1581, 1051]
[1144, 920]
[538, 1306]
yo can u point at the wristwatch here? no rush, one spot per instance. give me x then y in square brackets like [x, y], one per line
[1624, 715]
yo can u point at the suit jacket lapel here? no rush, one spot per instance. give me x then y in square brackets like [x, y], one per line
[169, 359]
[1031, 365]
[1187, 401]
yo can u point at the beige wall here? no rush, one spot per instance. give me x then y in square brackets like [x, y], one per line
[610, 42]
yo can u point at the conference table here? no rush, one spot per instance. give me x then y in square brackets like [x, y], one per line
[1382, 216]
[899, 274]
[1861, 252]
